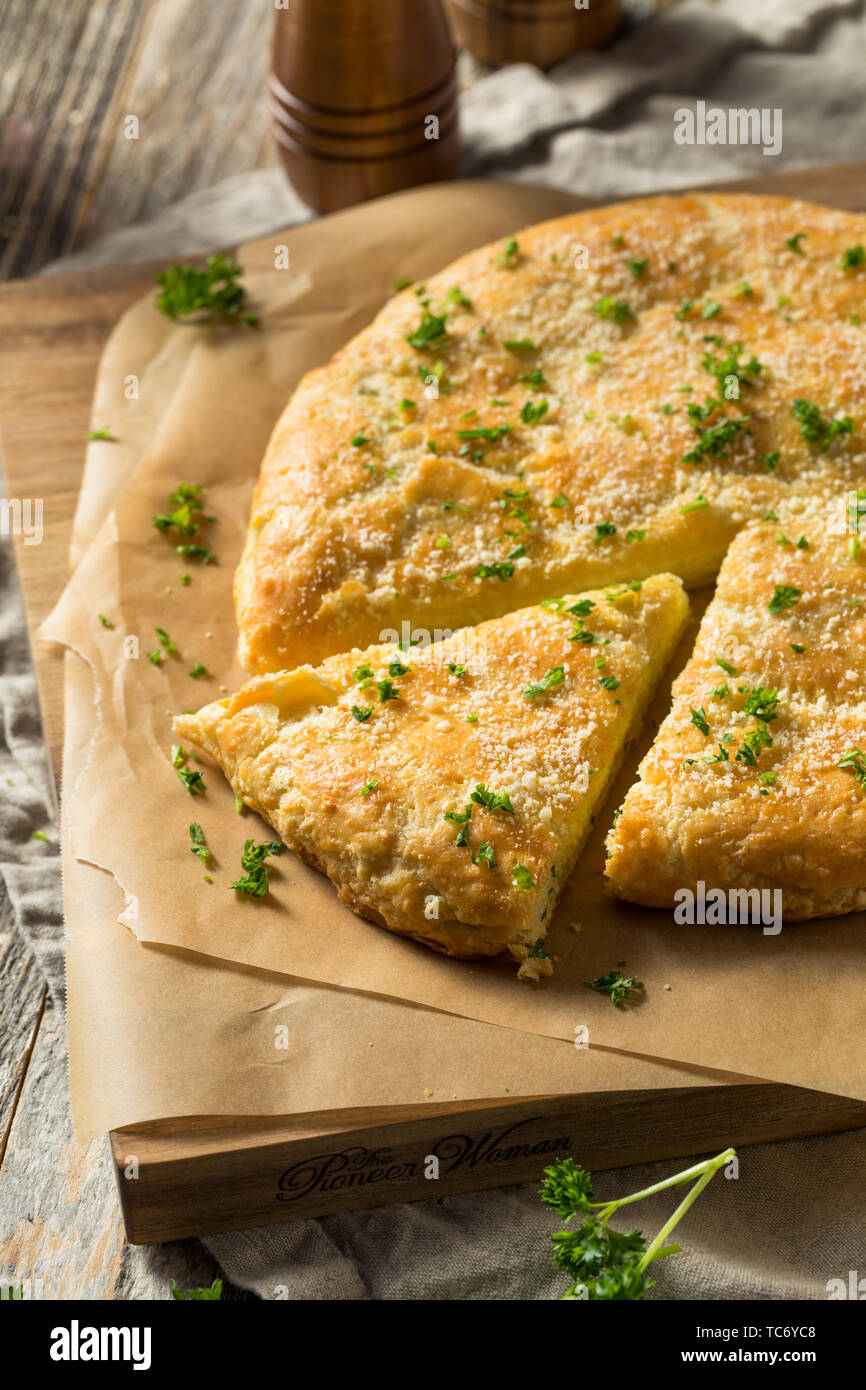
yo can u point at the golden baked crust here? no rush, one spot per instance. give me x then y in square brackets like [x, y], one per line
[373, 789]
[793, 819]
[357, 526]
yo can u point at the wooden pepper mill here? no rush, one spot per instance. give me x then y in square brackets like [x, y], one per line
[542, 32]
[363, 96]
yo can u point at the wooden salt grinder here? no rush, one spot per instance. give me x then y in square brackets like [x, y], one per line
[532, 31]
[363, 97]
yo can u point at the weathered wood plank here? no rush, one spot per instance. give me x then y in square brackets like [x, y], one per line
[59, 1217]
[193, 74]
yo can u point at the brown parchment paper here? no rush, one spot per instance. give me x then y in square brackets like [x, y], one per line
[156, 1033]
[738, 1001]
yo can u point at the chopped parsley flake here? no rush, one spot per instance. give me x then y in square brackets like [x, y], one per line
[553, 678]
[752, 746]
[615, 985]
[522, 877]
[430, 334]
[853, 257]
[814, 430]
[699, 719]
[697, 505]
[192, 779]
[855, 761]
[254, 883]
[785, 596]
[615, 309]
[532, 412]
[494, 801]
[496, 570]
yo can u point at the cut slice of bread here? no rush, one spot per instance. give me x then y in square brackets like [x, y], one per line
[757, 778]
[447, 790]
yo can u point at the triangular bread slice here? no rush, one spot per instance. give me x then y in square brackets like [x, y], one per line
[757, 778]
[447, 790]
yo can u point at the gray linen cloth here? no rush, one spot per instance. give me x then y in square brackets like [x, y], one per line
[601, 125]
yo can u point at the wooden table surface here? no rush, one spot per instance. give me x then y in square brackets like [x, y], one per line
[69, 74]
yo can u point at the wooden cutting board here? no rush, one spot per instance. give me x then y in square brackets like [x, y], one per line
[207, 1174]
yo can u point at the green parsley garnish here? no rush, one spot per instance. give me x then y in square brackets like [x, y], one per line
[362, 715]
[615, 985]
[601, 1262]
[212, 293]
[106, 622]
[431, 332]
[522, 877]
[534, 379]
[199, 670]
[554, 677]
[763, 704]
[360, 440]
[785, 596]
[519, 345]
[855, 761]
[697, 505]
[814, 430]
[793, 243]
[198, 846]
[491, 432]
[511, 252]
[370, 787]
[699, 719]
[602, 531]
[496, 570]
[387, 691]
[486, 855]
[254, 883]
[532, 412]
[456, 296]
[752, 746]
[853, 257]
[609, 682]
[494, 801]
[560, 500]
[165, 641]
[637, 266]
[192, 780]
[615, 309]
[104, 434]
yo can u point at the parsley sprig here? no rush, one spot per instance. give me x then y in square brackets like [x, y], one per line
[603, 1263]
